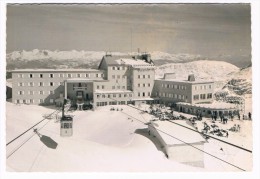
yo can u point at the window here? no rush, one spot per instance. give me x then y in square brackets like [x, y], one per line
[205, 87]
[149, 94]
[78, 75]
[113, 68]
[130, 95]
[139, 94]
[51, 75]
[118, 76]
[149, 84]
[30, 84]
[148, 76]
[31, 101]
[41, 92]
[123, 87]
[114, 95]
[51, 92]
[30, 92]
[209, 95]
[31, 75]
[119, 95]
[51, 84]
[20, 75]
[144, 85]
[40, 83]
[103, 87]
[60, 75]
[143, 76]
[20, 92]
[196, 97]
[69, 75]
[98, 95]
[209, 86]
[195, 87]
[202, 96]
[143, 93]
[97, 86]
[97, 75]
[125, 95]
[87, 75]
[20, 84]
[179, 96]
[138, 84]
[41, 75]
[118, 87]
[103, 96]
[118, 68]
[108, 95]
[138, 76]
[113, 76]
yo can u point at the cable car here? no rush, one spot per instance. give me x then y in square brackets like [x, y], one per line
[66, 123]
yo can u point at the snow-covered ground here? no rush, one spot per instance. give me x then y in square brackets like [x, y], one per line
[106, 141]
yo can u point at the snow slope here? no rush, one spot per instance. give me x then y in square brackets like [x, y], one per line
[102, 141]
[202, 69]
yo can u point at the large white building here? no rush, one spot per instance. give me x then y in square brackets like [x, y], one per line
[118, 80]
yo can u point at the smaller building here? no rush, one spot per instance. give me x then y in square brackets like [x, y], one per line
[207, 110]
[177, 142]
[170, 90]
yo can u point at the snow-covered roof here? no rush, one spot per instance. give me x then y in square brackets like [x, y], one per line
[113, 91]
[216, 105]
[197, 81]
[170, 132]
[130, 61]
[143, 99]
[56, 70]
[83, 80]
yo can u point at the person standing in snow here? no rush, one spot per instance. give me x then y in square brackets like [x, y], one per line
[249, 115]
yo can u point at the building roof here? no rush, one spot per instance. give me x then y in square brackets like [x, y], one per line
[170, 132]
[56, 70]
[200, 81]
[124, 60]
[82, 80]
[112, 91]
[215, 106]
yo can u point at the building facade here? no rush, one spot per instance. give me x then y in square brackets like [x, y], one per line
[118, 80]
[169, 90]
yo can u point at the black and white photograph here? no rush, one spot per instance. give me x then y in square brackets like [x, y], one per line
[129, 87]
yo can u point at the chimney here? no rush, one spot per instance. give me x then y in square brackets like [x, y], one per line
[169, 76]
[191, 77]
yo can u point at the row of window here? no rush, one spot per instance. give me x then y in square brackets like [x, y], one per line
[113, 95]
[119, 87]
[171, 95]
[144, 85]
[31, 101]
[35, 92]
[144, 94]
[119, 68]
[180, 87]
[112, 103]
[143, 76]
[202, 96]
[62, 75]
[202, 87]
[118, 76]
[40, 84]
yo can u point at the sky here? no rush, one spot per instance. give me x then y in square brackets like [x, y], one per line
[204, 29]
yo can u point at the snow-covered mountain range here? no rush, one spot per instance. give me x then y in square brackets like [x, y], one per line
[225, 74]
